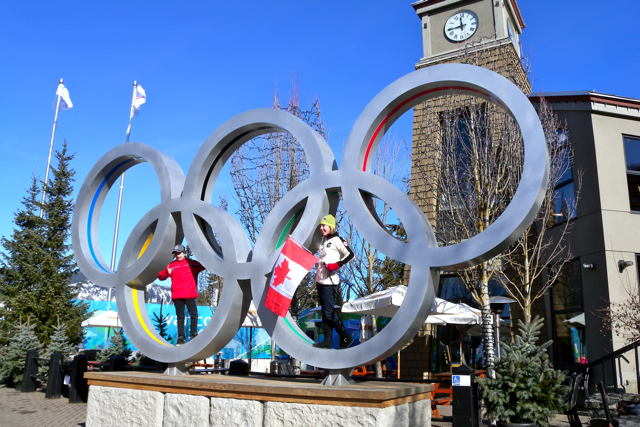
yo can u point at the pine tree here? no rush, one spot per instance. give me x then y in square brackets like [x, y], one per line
[57, 294]
[117, 347]
[59, 343]
[38, 263]
[161, 325]
[12, 362]
[526, 388]
[20, 265]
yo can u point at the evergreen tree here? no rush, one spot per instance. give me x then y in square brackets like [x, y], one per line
[20, 265]
[143, 360]
[117, 347]
[161, 325]
[59, 343]
[13, 358]
[526, 388]
[38, 263]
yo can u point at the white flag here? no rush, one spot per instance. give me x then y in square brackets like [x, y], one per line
[138, 100]
[65, 101]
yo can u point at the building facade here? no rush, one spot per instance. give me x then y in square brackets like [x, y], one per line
[604, 133]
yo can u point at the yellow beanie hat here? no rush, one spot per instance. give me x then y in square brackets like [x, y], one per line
[329, 220]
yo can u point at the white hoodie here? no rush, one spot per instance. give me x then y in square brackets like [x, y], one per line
[333, 250]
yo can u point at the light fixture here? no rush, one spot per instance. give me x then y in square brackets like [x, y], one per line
[622, 264]
[588, 265]
[497, 308]
[497, 303]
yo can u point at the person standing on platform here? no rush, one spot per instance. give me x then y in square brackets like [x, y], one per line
[184, 289]
[334, 253]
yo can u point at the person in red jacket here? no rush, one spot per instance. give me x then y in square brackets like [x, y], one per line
[184, 289]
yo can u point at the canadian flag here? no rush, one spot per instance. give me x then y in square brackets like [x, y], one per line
[293, 264]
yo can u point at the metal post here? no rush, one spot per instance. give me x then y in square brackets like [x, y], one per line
[218, 363]
[53, 132]
[497, 326]
[115, 231]
[250, 347]
[55, 377]
[620, 372]
[78, 388]
[29, 384]
[637, 368]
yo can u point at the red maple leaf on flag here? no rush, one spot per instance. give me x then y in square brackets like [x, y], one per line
[280, 272]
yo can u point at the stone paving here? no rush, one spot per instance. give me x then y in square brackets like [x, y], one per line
[33, 410]
[557, 421]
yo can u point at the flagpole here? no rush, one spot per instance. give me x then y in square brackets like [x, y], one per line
[46, 175]
[115, 233]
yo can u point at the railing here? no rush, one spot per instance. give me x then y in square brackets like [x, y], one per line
[616, 366]
[53, 379]
[78, 388]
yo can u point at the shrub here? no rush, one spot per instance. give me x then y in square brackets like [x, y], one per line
[526, 388]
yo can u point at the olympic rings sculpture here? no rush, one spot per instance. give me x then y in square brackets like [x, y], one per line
[185, 211]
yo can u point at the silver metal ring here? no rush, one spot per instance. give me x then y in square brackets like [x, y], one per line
[185, 208]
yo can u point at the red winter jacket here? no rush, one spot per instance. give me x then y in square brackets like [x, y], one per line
[184, 278]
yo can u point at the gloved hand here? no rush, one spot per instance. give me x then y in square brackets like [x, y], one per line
[333, 266]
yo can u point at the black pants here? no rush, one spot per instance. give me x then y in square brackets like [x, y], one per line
[193, 312]
[328, 295]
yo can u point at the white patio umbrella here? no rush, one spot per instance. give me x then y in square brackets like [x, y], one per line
[107, 319]
[466, 316]
[386, 303]
[577, 322]
[252, 321]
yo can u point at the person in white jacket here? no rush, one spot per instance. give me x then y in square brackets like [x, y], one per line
[334, 253]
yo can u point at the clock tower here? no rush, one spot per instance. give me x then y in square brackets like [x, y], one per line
[484, 33]
[449, 26]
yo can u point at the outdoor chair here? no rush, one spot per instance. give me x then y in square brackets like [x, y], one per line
[447, 359]
[575, 381]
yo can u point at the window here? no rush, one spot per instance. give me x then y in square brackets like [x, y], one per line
[567, 303]
[564, 198]
[632, 157]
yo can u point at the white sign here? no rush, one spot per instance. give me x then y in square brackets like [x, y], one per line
[461, 380]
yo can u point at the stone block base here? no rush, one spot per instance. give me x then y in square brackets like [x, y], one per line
[142, 399]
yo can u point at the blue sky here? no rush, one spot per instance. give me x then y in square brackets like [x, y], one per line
[201, 63]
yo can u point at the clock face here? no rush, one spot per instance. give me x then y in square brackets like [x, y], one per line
[461, 26]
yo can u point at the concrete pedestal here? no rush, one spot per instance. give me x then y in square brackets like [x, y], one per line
[144, 399]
